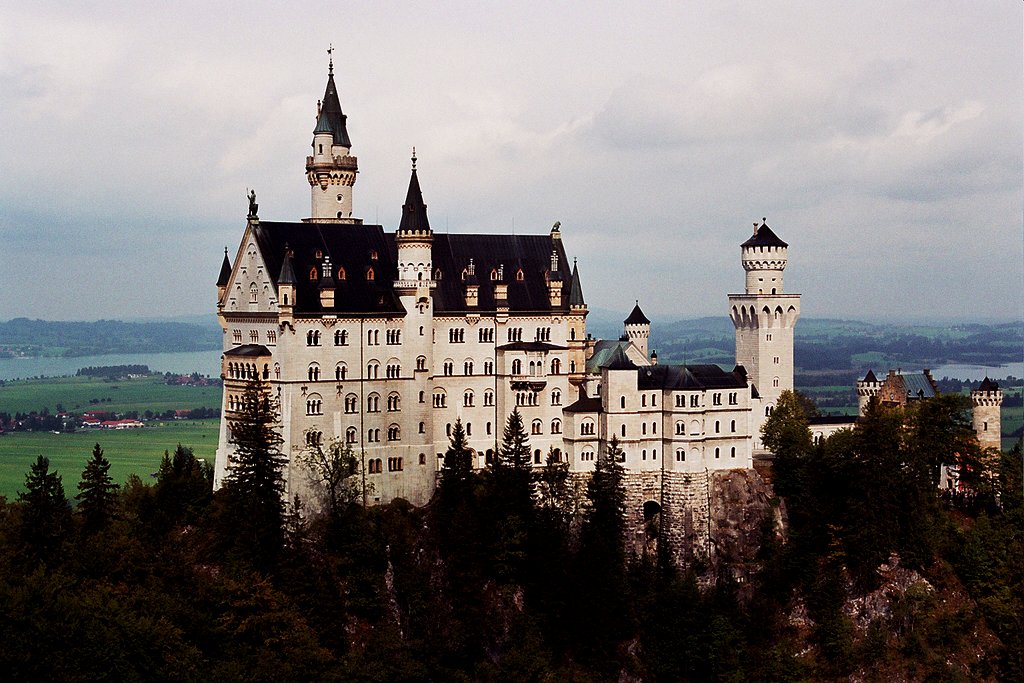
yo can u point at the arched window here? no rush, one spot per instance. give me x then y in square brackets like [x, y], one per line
[313, 338]
[421, 363]
[369, 274]
[556, 397]
[341, 338]
[314, 404]
[536, 427]
[394, 433]
[517, 367]
[732, 426]
[556, 366]
[312, 274]
[394, 403]
[467, 399]
[423, 427]
[350, 435]
[351, 403]
[468, 367]
[373, 403]
[622, 402]
[556, 426]
[313, 372]
[254, 292]
[718, 452]
[340, 372]
[488, 398]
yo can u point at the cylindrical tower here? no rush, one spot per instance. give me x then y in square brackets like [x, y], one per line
[637, 328]
[987, 401]
[331, 170]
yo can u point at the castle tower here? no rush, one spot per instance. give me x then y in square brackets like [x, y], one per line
[765, 316]
[987, 401]
[414, 238]
[637, 328]
[866, 388]
[331, 170]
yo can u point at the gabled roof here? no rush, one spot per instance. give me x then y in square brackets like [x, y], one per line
[225, 270]
[988, 385]
[414, 211]
[331, 118]
[575, 289]
[287, 276]
[918, 386]
[637, 317]
[764, 237]
[619, 361]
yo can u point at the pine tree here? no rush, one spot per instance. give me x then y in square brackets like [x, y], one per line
[509, 501]
[254, 487]
[46, 514]
[97, 492]
[457, 471]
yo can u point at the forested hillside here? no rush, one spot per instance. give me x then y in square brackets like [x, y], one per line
[512, 574]
[24, 337]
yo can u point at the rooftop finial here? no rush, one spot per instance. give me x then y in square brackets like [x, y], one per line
[414, 158]
[330, 59]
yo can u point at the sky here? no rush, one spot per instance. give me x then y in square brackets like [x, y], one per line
[881, 139]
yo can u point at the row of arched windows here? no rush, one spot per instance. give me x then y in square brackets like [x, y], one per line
[247, 371]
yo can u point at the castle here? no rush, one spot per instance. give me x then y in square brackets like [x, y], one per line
[383, 339]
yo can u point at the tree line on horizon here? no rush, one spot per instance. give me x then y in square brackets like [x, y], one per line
[511, 573]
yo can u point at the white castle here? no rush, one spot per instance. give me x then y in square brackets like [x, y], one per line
[383, 339]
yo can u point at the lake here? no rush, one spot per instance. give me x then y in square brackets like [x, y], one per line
[978, 372]
[184, 362]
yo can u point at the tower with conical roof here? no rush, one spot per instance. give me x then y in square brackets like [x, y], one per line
[987, 401]
[764, 317]
[331, 169]
[637, 328]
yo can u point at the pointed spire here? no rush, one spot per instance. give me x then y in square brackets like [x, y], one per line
[414, 211]
[287, 276]
[636, 316]
[331, 118]
[225, 270]
[575, 289]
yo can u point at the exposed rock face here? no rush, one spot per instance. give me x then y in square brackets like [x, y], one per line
[712, 520]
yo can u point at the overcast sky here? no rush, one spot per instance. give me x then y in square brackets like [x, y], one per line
[882, 140]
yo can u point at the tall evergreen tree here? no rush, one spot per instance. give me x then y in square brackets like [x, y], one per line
[46, 514]
[254, 487]
[97, 492]
[457, 470]
[510, 501]
[183, 490]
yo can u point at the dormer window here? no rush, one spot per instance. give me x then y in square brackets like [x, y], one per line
[369, 274]
[519, 275]
[464, 273]
[340, 274]
[313, 275]
[437, 274]
[373, 254]
[494, 274]
[319, 254]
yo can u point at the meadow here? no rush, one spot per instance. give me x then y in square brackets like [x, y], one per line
[78, 394]
[130, 451]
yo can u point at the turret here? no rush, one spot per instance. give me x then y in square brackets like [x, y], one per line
[286, 286]
[866, 389]
[637, 328]
[414, 238]
[764, 258]
[330, 169]
[987, 401]
[222, 281]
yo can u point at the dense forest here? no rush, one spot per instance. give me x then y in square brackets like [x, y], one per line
[507, 576]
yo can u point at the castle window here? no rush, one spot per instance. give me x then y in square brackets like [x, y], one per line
[488, 398]
[236, 336]
[519, 275]
[394, 403]
[421, 363]
[314, 405]
[448, 429]
[423, 428]
[775, 382]
[486, 334]
[718, 426]
[467, 399]
[654, 399]
[373, 254]
[394, 337]
[622, 402]
[694, 401]
[488, 367]
[271, 336]
[393, 371]
[643, 401]
[643, 454]
[680, 455]
[468, 367]
[313, 372]
[340, 274]
[572, 366]
[340, 372]
[313, 275]
[372, 369]
[456, 335]
[768, 336]
[254, 337]
[680, 427]
[313, 338]
[394, 433]
[373, 435]
[254, 292]
[732, 452]
[587, 428]
[556, 397]
[423, 458]
[556, 366]
[440, 399]
[537, 427]
[351, 403]
[494, 274]
[654, 428]
[718, 452]
[449, 368]
[373, 403]
[369, 274]
[536, 456]
[340, 338]
[776, 360]
[350, 435]
[643, 428]
[732, 425]
[373, 337]
[556, 426]
[623, 430]
[517, 367]
[716, 399]
[733, 398]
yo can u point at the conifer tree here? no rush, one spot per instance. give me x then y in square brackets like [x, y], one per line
[46, 515]
[254, 487]
[510, 500]
[457, 469]
[97, 492]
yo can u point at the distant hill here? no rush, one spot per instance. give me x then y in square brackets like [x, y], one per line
[24, 337]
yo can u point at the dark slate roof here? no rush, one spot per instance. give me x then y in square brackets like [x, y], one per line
[248, 350]
[870, 377]
[531, 253]
[689, 377]
[619, 361]
[584, 405]
[988, 385]
[349, 247]
[225, 270]
[414, 211]
[331, 117]
[764, 237]
[637, 317]
[575, 289]
[531, 346]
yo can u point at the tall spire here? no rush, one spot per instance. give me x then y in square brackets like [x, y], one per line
[331, 118]
[225, 270]
[575, 289]
[414, 211]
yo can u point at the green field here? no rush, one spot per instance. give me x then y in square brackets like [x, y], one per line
[131, 451]
[74, 394]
